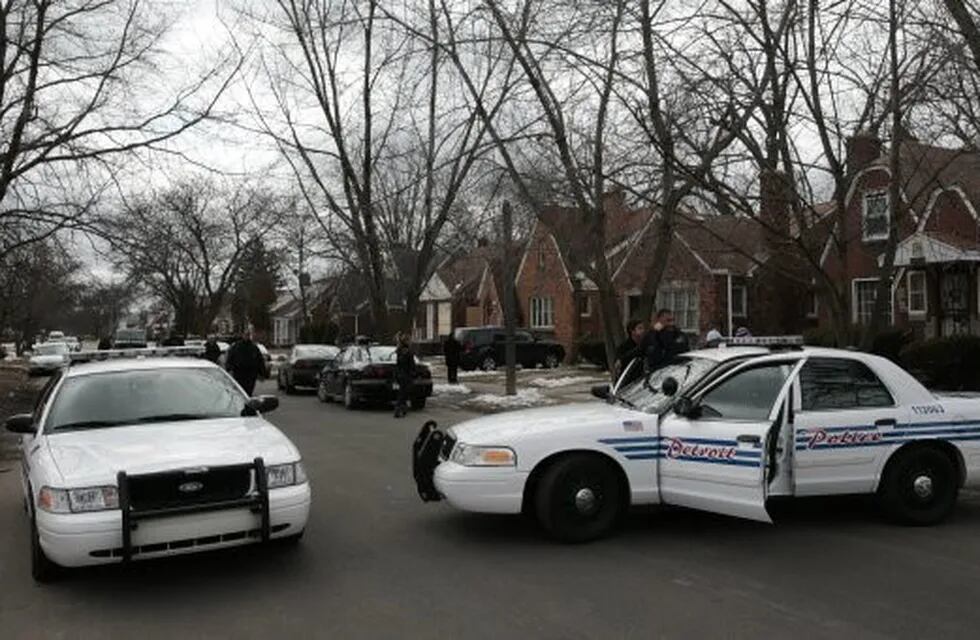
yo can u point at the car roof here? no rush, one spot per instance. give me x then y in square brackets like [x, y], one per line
[115, 365]
[722, 354]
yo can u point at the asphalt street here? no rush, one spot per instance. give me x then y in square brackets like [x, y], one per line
[377, 563]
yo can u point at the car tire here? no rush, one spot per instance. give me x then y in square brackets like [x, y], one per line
[551, 361]
[579, 498]
[418, 403]
[43, 570]
[919, 486]
[488, 364]
[322, 394]
[350, 401]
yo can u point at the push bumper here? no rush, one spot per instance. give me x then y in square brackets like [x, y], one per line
[480, 489]
[82, 539]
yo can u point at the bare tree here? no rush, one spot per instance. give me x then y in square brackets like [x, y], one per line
[966, 13]
[187, 244]
[73, 98]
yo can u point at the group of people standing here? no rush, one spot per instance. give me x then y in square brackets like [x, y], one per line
[656, 344]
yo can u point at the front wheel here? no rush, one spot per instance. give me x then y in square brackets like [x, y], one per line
[919, 486]
[489, 364]
[579, 498]
[321, 393]
[551, 361]
[42, 569]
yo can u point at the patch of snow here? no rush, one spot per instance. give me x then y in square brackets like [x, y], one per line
[566, 381]
[524, 398]
[478, 373]
[450, 390]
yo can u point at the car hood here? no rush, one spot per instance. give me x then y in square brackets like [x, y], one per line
[512, 426]
[97, 455]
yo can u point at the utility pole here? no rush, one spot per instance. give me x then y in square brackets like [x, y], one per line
[510, 354]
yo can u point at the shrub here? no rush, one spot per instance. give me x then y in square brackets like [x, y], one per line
[890, 342]
[947, 364]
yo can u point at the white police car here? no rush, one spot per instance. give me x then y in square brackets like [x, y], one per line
[134, 458]
[720, 430]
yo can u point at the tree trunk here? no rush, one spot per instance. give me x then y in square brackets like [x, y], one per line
[510, 320]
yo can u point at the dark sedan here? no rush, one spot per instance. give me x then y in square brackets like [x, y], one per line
[366, 374]
[484, 348]
[303, 366]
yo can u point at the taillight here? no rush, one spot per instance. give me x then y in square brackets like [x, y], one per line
[374, 372]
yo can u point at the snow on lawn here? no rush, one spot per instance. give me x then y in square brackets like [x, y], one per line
[478, 373]
[450, 390]
[567, 381]
[524, 398]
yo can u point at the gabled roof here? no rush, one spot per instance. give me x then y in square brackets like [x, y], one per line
[926, 168]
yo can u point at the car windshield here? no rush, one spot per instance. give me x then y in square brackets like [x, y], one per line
[53, 349]
[316, 351]
[122, 398]
[645, 393]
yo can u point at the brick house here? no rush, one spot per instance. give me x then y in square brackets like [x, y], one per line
[935, 287]
[464, 291]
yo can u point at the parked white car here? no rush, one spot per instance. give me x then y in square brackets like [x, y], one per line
[721, 430]
[47, 358]
[126, 459]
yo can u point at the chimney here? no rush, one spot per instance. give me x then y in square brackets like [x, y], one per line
[863, 148]
[774, 204]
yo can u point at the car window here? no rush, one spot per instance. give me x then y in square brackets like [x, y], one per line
[142, 397]
[645, 393]
[748, 394]
[838, 383]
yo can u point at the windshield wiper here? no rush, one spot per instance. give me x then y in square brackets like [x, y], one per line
[87, 424]
[172, 417]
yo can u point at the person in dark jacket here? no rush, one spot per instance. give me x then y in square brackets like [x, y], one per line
[631, 348]
[105, 343]
[451, 349]
[664, 341]
[404, 372]
[245, 363]
[212, 351]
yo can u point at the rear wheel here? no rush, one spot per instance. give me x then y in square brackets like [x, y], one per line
[321, 393]
[551, 361]
[42, 569]
[919, 486]
[579, 498]
[489, 364]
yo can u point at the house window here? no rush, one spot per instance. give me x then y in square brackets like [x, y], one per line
[541, 256]
[864, 294]
[916, 281]
[812, 305]
[542, 313]
[683, 302]
[876, 217]
[740, 300]
[585, 306]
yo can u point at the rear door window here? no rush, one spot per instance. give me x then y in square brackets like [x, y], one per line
[839, 383]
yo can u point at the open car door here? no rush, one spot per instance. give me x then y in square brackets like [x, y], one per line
[712, 449]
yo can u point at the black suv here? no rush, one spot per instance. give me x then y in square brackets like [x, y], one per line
[483, 348]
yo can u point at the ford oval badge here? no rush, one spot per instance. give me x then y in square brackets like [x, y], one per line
[190, 487]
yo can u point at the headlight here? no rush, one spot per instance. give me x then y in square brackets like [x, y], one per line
[78, 500]
[285, 475]
[473, 456]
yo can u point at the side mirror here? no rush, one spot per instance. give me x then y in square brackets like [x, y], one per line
[21, 423]
[669, 386]
[685, 407]
[601, 391]
[261, 404]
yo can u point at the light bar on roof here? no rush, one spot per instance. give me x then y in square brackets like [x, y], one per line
[145, 352]
[765, 341]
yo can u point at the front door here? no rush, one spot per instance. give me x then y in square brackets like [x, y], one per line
[713, 459]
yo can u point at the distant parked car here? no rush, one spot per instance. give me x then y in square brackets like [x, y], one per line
[303, 366]
[56, 336]
[483, 348]
[48, 358]
[366, 373]
[74, 344]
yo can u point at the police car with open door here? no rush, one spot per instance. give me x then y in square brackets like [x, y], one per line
[134, 456]
[720, 430]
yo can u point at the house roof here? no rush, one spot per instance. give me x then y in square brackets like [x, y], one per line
[926, 168]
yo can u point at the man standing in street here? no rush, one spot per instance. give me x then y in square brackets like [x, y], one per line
[212, 351]
[451, 349]
[631, 348]
[245, 362]
[404, 372]
[664, 341]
